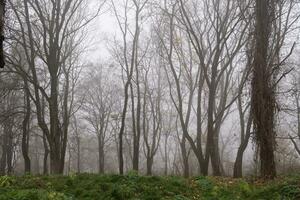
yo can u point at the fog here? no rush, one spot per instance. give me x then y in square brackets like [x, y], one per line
[159, 87]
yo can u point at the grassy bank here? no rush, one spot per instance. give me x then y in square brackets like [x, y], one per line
[132, 186]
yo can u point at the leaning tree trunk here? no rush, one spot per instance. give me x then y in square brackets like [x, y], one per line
[245, 127]
[263, 100]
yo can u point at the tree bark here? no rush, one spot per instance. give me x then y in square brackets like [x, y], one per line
[101, 154]
[185, 158]
[149, 165]
[212, 137]
[46, 154]
[25, 133]
[263, 100]
[137, 132]
[10, 147]
[66, 117]
[2, 13]
[78, 154]
[245, 136]
[4, 154]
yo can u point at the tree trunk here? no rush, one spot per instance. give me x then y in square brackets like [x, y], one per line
[66, 121]
[135, 164]
[2, 12]
[78, 154]
[55, 142]
[46, 154]
[245, 136]
[203, 167]
[149, 165]
[185, 158]
[4, 154]
[10, 149]
[122, 128]
[101, 155]
[166, 156]
[212, 138]
[263, 100]
[55, 162]
[238, 165]
[25, 135]
[137, 132]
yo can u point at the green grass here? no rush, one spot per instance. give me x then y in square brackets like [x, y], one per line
[132, 186]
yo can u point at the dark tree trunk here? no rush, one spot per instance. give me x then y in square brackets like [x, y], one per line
[4, 154]
[2, 12]
[263, 100]
[202, 161]
[66, 121]
[10, 148]
[55, 162]
[122, 128]
[238, 165]
[245, 136]
[149, 165]
[46, 154]
[203, 166]
[212, 138]
[25, 135]
[137, 135]
[135, 163]
[55, 142]
[185, 158]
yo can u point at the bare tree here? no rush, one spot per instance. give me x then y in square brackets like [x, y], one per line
[11, 127]
[152, 116]
[48, 45]
[216, 45]
[129, 63]
[26, 128]
[98, 109]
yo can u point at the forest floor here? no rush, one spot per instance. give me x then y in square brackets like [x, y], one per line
[132, 186]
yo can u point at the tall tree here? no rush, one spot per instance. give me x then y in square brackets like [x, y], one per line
[26, 128]
[129, 63]
[263, 97]
[2, 12]
[50, 45]
[98, 108]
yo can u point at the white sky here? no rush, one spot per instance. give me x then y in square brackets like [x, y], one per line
[100, 31]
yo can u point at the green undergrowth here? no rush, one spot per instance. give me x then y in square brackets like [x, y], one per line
[134, 187]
